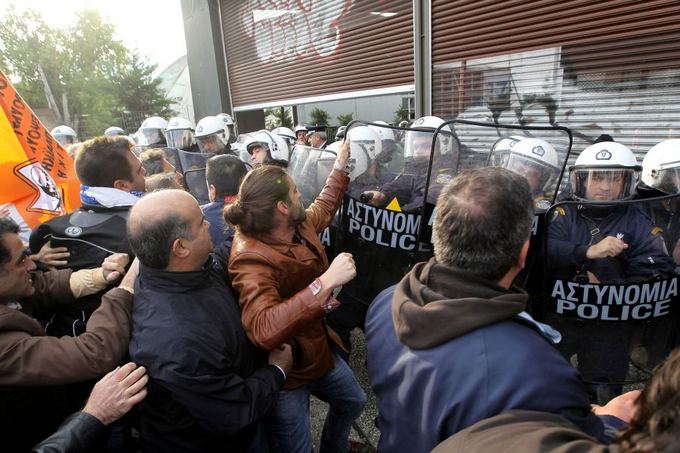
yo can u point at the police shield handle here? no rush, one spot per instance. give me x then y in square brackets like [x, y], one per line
[282, 357]
[607, 247]
[342, 270]
[623, 406]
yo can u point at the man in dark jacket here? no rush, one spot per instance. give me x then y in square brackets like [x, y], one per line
[208, 385]
[654, 426]
[33, 366]
[223, 175]
[451, 344]
[112, 180]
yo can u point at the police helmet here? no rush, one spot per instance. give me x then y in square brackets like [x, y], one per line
[64, 135]
[605, 171]
[661, 167]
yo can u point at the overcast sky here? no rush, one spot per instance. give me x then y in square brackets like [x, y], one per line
[154, 27]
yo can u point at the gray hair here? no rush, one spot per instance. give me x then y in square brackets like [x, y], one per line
[152, 242]
[483, 219]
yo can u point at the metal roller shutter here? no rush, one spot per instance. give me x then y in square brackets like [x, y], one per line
[608, 67]
[278, 51]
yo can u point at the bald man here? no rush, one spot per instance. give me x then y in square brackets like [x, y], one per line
[209, 386]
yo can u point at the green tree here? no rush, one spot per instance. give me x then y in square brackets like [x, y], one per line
[278, 117]
[344, 120]
[137, 91]
[78, 72]
[319, 116]
[401, 114]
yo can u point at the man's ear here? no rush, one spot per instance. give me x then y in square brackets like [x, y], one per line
[282, 207]
[179, 250]
[122, 184]
[212, 192]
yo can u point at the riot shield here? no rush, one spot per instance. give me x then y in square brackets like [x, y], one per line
[377, 227]
[309, 167]
[172, 156]
[616, 306]
[193, 169]
[539, 154]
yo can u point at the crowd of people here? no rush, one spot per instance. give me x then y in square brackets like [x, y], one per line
[189, 304]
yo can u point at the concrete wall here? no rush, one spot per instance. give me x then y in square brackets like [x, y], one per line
[205, 57]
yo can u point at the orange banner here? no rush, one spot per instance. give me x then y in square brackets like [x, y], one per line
[37, 177]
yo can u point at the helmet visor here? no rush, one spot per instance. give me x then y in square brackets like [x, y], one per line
[539, 175]
[603, 184]
[64, 140]
[150, 136]
[211, 144]
[419, 144]
[180, 138]
[668, 180]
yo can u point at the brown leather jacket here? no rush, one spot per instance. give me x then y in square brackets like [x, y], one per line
[272, 279]
[30, 358]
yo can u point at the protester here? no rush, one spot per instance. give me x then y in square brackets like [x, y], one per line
[209, 385]
[451, 344]
[654, 426]
[112, 180]
[162, 181]
[285, 285]
[154, 162]
[223, 175]
[32, 364]
[111, 398]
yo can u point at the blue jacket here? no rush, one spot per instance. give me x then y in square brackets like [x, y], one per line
[219, 232]
[208, 387]
[569, 239]
[459, 356]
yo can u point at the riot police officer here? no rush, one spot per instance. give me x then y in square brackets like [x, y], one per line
[603, 243]
[150, 133]
[300, 135]
[114, 131]
[409, 187]
[266, 147]
[287, 134]
[180, 134]
[64, 135]
[229, 125]
[661, 177]
[211, 136]
[533, 158]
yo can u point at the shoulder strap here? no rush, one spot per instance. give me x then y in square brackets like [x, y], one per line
[596, 233]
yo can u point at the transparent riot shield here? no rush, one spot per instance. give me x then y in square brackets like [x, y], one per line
[539, 154]
[309, 167]
[172, 156]
[193, 169]
[610, 287]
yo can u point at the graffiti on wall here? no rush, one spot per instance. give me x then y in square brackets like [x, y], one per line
[284, 30]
